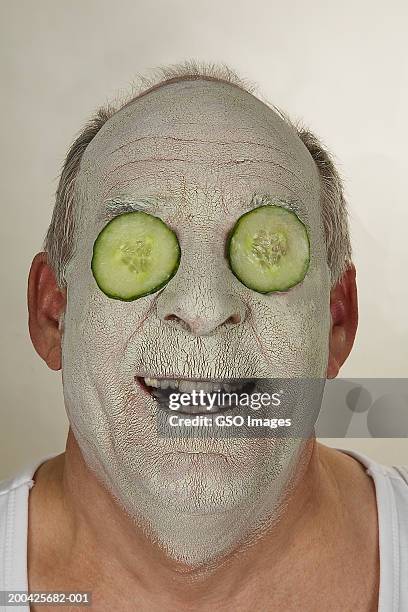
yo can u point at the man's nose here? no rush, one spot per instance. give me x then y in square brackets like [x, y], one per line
[198, 314]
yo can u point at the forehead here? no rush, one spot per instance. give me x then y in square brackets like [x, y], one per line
[193, 137]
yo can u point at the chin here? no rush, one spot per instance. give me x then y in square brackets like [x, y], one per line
[200, 483]
[196, 507]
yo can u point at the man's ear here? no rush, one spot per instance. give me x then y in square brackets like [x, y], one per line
[46, 303]
[344, 320]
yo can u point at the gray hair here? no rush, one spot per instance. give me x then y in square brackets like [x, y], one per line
[59, 239]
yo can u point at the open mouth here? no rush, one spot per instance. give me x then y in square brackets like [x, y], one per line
[206, 396]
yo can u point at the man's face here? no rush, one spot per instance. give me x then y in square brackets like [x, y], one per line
[194, 153]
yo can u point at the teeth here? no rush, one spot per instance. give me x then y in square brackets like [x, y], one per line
[186, 386]
[151, 382]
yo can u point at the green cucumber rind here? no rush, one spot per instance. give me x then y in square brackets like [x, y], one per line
[228, 250]
[114, 296]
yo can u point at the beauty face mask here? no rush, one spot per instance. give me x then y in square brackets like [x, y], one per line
[195, 157]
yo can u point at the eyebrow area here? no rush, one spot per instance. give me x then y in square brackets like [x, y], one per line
[150, 204]
[113, 207]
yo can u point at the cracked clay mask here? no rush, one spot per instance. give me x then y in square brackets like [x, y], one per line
[197, 155]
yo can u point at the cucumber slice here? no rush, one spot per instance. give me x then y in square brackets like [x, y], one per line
[134, 255]
[268, 249]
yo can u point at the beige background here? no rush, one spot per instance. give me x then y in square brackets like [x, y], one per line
[339, 65]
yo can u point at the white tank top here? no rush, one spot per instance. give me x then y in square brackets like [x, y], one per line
[391, 485]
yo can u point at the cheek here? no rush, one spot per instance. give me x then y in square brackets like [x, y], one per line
[97, 331]
[293, 332]
[105, 324]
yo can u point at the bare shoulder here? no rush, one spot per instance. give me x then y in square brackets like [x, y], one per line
[356, 488]
[47, 482]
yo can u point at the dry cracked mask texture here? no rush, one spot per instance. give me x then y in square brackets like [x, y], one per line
[193, 153]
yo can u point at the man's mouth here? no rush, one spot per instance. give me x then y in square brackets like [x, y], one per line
[207, 395]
